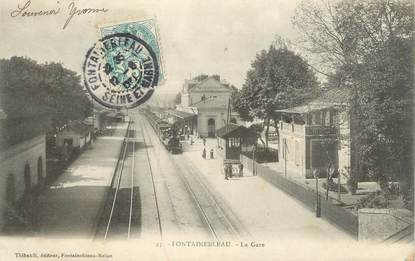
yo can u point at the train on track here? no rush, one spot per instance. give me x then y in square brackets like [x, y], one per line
[164, 131]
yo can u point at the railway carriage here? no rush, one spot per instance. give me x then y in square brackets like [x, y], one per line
[162, 129]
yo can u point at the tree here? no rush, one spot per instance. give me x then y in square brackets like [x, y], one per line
[257, 129]
[368, 47]
[343, 33]
[240, 104]
[28, 88]
[278, 79]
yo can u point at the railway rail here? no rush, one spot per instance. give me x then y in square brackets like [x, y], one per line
[120, 214]
[217, 223]
[118, 217]
[154, 186]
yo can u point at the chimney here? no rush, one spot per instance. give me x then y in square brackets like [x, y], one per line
[216, 77]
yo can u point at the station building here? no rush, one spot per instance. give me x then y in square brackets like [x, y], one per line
[315, 134]
[75, 134]
[232, 139]
[209, 100]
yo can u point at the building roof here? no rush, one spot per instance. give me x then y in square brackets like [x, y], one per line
[115, 114]
[211, 83]
[78, 127]
[306, 108]
[234, 130]
[328, 99]
[89, 121]
[181, 114]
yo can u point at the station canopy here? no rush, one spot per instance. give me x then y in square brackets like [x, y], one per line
[234, 131]
[181, 114]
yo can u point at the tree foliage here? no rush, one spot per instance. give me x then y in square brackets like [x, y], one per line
[367, 47]
[278, 79]
[28, 88]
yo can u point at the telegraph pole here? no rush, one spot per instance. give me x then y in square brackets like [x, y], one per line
[228, 114]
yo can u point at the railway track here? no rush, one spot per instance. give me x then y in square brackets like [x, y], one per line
[120, 216]
[216, 221]
[153, 186]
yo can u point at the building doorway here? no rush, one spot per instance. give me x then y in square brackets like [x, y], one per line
[40, 172]
[211, 128]
[27, 178]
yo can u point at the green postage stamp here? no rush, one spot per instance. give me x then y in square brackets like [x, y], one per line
[123, 68]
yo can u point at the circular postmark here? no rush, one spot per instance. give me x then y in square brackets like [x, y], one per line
[121, 71]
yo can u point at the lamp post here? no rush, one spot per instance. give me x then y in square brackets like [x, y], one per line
[339, 186]
[285, 157]
[318, 207]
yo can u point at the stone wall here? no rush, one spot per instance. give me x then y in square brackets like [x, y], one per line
[379, 224]
[12, 168]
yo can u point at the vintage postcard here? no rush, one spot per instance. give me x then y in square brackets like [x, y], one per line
[206, 130]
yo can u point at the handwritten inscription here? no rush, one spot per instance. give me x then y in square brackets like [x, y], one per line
[26, 11]
[72, 10]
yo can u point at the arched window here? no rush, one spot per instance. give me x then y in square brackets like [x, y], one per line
[39, 171]
[27, 178]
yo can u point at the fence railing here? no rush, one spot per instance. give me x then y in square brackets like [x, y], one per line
[261, 154]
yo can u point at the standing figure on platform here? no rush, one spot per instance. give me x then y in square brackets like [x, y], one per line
[204, 142]
[226, 170]
[241, 169]
[211, 153]
[204, 153]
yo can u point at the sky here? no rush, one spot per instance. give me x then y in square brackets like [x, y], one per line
[210, 36]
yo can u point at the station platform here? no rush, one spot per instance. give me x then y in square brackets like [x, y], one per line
[71, 205]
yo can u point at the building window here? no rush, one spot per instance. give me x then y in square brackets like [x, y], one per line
[317, 118]
[309, 119]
